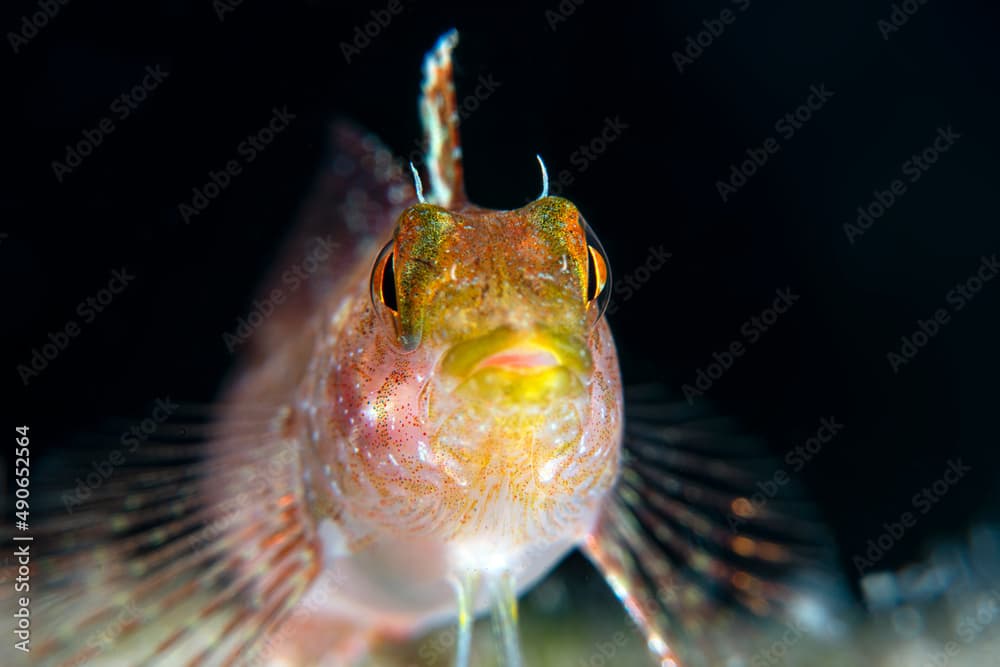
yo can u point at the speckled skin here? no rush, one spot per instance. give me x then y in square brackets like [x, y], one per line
[410, 476]
[423, 482]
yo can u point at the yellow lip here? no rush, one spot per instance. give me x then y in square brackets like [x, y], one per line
[502, 385]
[509, 349]
[517, 366]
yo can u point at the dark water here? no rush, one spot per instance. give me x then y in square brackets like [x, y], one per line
[740, 144]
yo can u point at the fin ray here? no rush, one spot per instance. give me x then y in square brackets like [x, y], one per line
[675, 547]
[165, 540]
[439, 114]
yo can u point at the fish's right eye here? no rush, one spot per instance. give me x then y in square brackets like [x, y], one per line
[383, 282]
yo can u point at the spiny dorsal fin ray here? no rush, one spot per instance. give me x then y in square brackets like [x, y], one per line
[439, 114]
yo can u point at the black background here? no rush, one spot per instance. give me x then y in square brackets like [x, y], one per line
[654, 185]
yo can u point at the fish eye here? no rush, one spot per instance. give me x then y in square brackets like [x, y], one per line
[598, 275]
[383, 281]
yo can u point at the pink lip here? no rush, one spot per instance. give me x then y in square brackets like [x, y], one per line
[519, 358]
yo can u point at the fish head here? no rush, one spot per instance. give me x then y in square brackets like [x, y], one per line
[493, 320]
[464, 275]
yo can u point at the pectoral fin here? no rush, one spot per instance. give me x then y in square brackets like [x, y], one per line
[700, 559]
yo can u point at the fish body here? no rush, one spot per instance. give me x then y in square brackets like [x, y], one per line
[488, 449]
[429, 422]
[465, 436]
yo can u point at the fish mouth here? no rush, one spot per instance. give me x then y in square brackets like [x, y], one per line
[518, 366]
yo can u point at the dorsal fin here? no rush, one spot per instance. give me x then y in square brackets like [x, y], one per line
[439, 114]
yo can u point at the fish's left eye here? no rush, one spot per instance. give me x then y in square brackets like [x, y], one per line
[383, 282]
[597, 273]
[598, 276]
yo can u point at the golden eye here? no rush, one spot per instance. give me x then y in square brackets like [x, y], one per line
[383, 282]
[598, 275]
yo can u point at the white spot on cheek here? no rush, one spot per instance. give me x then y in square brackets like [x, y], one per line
[453, 267]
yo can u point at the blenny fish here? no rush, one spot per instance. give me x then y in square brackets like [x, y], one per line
[414, 437]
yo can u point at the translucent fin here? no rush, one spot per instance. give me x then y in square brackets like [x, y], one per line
[691, 546]
[467, 591]
[349, 213]
[439, 114]
[505, 620]
[192, 550]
